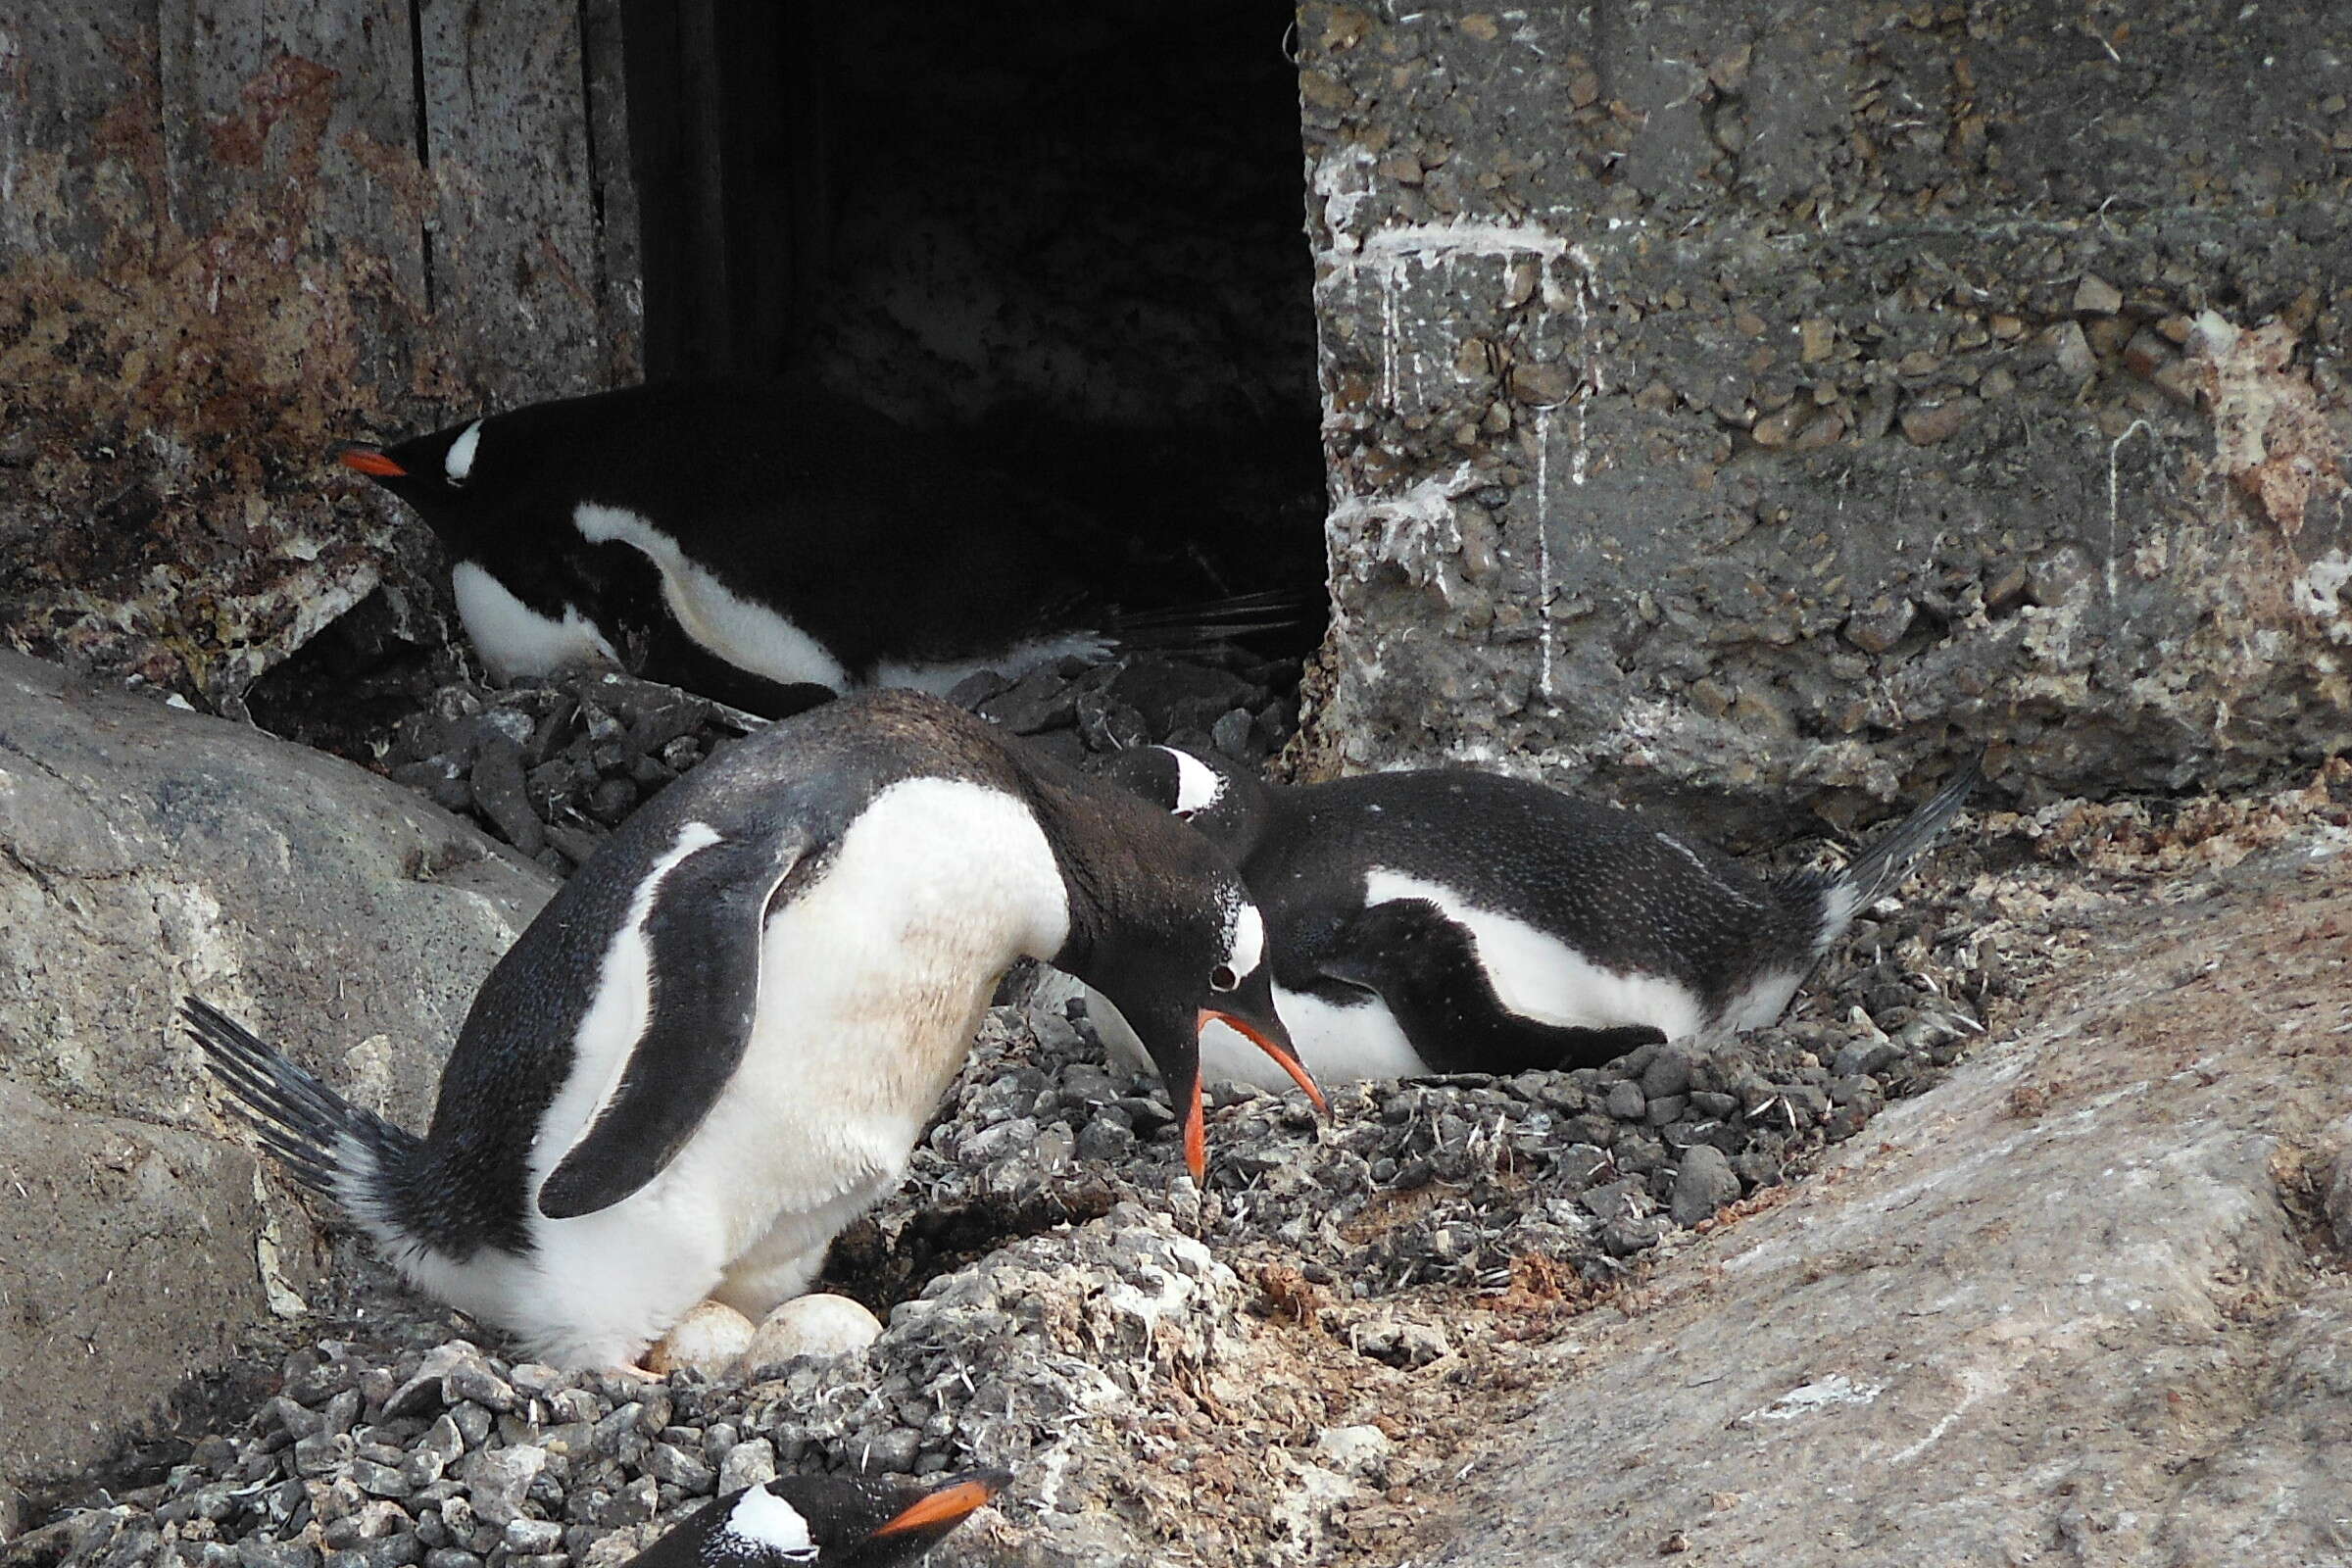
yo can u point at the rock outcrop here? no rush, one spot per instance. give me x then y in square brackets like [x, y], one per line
[2081, 1303]
[147, 852]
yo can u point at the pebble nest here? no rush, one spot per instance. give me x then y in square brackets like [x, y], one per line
[1220, 1375]
[552, 765]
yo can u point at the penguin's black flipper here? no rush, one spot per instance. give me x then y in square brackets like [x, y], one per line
[702, 928]
[1428, 970]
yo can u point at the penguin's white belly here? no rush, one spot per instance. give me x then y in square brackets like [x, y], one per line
[871, 984]
[750, 636]
[1338, 1044]
[1538, 976]
[514, 639]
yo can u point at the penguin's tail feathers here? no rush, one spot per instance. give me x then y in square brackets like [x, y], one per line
[1847, 893]
[1208, 624]
[331, 1145]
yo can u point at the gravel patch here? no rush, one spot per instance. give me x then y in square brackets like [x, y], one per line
[551, 767]
[1259, 1371]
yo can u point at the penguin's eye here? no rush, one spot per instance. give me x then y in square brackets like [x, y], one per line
[1222, 978]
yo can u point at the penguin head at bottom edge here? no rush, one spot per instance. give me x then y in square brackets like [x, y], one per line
[824, 1521]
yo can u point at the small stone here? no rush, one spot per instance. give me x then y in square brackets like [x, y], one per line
[1540, 385]
[1667, 1073]
[674, 1466]
[533, 1536]
[2096, 296]
[1881, 624]
[442, 1441]
[750, 1464]
[815, 1324]
[1626, 1102]
[709, 1339]
[1703, 1184]
[1816, 338]
[290, 1417]
[611, 800]
[1041, 700]
[499, 1478]
[1108, 724]
[471, 1379]
[1624, 1237]
[1232, 735]
[499, 795]
[1778, 430]
[2071, 350]
[322, 1453]
[1927, 424]
[379, 1480]
[1361, 1451]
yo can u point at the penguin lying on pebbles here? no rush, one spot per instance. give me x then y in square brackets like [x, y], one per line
[762, 544]
[1457, 921]
[716, 1044]
[823, 1521]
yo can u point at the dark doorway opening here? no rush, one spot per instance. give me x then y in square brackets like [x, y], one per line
[1070, 234]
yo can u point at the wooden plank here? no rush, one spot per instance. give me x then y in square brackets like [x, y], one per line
[515, 246]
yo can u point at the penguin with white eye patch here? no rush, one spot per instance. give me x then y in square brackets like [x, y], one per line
[1450, 921]
[764, 544]
[823, 1521]
[716, 1044]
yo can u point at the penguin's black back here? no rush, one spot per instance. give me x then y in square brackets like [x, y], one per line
[878, 541]
[1624, 895]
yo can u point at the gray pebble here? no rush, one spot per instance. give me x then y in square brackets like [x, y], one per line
[674, 1466]
[750, 1464]
[1667, 1073]
[1703, 1184]
[1626, 1237]
[533, 1536]
[499, 1479]
[1626, 1102]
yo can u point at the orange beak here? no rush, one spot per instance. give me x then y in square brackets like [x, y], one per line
[945, 1507]
[373, 464]
[1195, 1114]
[1281, 1055]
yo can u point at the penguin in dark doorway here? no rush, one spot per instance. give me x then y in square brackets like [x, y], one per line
[765, 544]
[823, 1521]
[717, 1044]
[1451, 920]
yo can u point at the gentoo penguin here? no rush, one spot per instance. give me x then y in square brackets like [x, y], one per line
[1457, 921]
[765, 544]
[823, 1521]
[718, 1042]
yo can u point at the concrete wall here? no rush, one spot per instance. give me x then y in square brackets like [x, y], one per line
[1723, 394]
[236, 234]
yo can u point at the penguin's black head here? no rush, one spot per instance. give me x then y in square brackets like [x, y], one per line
[1217, 800]
[444, 473]
[1174, 939]
[481, 487]
[822, 1521]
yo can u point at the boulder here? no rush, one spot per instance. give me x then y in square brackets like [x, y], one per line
[2079, 1302]
[147, 853]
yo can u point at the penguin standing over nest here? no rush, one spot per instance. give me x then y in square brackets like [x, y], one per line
[716, 1044]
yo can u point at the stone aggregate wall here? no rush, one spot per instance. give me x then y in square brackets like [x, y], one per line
[1724, 395]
